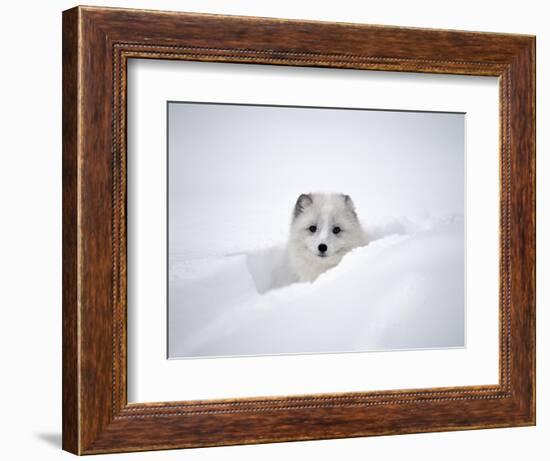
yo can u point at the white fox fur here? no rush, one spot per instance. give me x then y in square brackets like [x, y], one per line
[324, 228]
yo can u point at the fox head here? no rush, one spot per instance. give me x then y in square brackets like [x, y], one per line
[324, 228]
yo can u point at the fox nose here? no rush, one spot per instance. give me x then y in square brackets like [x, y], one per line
[322, 248]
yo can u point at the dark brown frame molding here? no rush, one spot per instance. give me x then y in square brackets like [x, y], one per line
[97, 43]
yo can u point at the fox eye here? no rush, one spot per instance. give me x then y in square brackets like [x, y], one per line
[312, 229]
[336, 230]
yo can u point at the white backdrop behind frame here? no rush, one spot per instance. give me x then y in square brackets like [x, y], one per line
[151, 377]
[234, 174]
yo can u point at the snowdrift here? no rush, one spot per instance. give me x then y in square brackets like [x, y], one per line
[405, 290]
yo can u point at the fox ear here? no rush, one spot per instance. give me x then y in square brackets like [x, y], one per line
[349, 204]
[302, 203]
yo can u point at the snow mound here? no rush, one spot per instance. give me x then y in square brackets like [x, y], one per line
[404, 290]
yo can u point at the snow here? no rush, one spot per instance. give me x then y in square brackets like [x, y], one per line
[402, 291]
[234, 175]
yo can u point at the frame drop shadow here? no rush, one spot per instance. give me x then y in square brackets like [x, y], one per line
[51, 438]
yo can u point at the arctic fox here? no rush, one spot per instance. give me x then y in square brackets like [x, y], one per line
[324, 228]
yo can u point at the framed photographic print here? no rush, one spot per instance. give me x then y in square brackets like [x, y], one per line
[282, 230]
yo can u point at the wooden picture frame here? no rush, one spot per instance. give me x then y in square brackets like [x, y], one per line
[97, 43]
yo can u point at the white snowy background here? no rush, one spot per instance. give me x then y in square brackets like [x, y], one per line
[235, 173]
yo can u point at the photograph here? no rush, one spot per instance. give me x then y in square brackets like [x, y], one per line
[313, 230]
